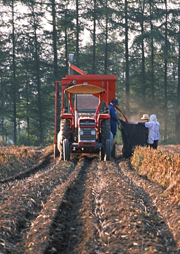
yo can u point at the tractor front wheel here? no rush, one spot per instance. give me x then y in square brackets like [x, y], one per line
[65, 133]
[56, 151]
[66, 150]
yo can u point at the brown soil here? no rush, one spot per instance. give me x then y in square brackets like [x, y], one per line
[86, 206]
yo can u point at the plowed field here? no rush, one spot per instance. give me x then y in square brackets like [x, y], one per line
[84, 206]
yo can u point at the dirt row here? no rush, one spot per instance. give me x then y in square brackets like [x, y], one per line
[21, 201]
[104, 212]
[87, 206]
[159, 200]
[43, 228]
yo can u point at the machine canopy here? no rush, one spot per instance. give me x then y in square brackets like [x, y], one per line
[82, 88]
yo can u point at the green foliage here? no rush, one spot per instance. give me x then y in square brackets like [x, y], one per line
[23, 139]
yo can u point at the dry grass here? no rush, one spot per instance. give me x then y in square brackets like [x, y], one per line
[161, 167]
[13, 159]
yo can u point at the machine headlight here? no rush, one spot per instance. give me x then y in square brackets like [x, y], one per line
[93, 132]
[81, 133]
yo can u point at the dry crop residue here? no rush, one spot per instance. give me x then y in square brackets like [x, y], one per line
[92, 207]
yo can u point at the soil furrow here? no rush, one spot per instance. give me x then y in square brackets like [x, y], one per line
[94, 207]
[67, 227]
[109, 216]
[37, 240]
[158, 203]
[122, 223]
[22, 201]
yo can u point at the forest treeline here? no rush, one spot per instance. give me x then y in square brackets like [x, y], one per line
[136, 40]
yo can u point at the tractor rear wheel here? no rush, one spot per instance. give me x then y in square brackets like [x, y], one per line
[66, 150]
[65, 133]
[113, 152]
[101, 154]
[105, 135]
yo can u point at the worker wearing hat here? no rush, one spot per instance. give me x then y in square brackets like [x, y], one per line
[152, 125]
[145, 118]
[113, 119]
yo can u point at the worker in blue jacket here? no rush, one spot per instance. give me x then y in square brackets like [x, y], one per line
[113, 119]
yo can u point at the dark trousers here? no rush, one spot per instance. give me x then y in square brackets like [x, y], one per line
[154, 145]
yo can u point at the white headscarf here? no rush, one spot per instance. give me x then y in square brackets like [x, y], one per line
[153, 118]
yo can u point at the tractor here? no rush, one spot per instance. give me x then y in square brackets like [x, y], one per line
[84, 124]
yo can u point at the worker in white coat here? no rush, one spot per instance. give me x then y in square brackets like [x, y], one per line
[154, 135]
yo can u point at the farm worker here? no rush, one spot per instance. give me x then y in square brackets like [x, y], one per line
[154, 135]
[145, 118]
[113, 119]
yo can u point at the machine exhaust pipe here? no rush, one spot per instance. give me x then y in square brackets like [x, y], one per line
[71, 61]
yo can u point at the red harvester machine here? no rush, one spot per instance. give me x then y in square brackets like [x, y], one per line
[84, 124]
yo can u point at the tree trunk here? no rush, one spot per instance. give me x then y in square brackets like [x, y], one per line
[106, 42]
[39, 102]
[14, 75]
[2, 108]
[77, 32]
[143, 66]
[54, 40]
[142, 3]
[27, 105]
[2, 127]
[94, 40]
[127, 59]
[66, 44]
[152, 53]
[165, 80]
[177, 126]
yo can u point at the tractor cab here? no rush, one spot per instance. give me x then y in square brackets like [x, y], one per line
[86, 104]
